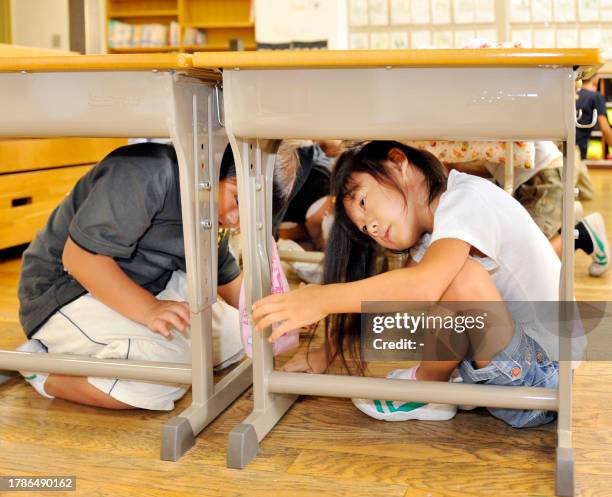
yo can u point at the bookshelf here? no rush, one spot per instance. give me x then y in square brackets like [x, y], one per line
[145, 26]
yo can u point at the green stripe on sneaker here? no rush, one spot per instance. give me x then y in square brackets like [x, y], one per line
[601, 259]
[31, 377]
[600, 244]
[379, 407]
[407, 407]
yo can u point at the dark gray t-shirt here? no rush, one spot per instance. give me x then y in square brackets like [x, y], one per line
[127, 207]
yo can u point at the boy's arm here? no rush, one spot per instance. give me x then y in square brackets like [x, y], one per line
[105, 280]
[230, 292]
[604, 126]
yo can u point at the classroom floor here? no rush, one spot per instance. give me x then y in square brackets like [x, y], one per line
[322, 447]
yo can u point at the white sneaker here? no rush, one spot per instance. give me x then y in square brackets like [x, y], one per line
[399, 410]
[594, 223]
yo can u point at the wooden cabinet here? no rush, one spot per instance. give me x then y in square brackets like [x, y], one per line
[35, 176]
[215, 24]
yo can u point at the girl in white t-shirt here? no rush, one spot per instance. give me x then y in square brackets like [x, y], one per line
[470, 241]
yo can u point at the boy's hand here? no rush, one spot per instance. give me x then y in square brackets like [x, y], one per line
[294, 309]
[314, 361]
[167, 314]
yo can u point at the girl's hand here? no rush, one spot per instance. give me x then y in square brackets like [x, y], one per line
[296, 309]
[314, 361]
[165, 315]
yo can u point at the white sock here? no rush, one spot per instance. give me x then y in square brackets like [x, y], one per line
[37, 380]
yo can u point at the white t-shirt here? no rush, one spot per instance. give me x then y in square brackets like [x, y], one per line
[519, 258]
[545, 153]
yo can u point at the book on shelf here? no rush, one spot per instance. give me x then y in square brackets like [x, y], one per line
[194, 36]
[126, 35]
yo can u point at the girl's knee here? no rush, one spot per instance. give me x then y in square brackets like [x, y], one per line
[473, 282]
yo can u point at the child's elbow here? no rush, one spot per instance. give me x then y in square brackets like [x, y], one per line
[69, 255]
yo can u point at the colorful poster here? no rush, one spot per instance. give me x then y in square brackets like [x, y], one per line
[419, 10]
[420, 39]
[487, 34]
[590, 38]
[564, 10]
[440, 12]
[542, 10]
[443, 39]
[359, 41]
[520, 11]
[379, 40]
[485, 11]
[605, 10]
[400, 12]
[567, 38]
[463, 37]
[522, 36]
[464, 11]
[379, 12]
[543, 38]
[358, 12]
[398, 40]
[588, 10]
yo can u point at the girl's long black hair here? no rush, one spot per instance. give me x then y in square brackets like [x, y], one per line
[350, 254]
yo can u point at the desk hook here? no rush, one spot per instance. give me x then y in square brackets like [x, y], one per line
[593, 121]
[218, 102]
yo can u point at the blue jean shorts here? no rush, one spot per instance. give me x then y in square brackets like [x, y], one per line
[523, 363]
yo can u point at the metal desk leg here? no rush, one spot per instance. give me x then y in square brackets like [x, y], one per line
[509, 168]
[254, 167]
[565, 465]
[191, 131]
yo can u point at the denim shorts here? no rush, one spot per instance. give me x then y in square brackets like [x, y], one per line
[523, 363]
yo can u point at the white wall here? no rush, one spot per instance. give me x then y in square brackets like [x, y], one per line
[40, 23]
[283, 21]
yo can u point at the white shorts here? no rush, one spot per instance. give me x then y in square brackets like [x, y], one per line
[88, 327]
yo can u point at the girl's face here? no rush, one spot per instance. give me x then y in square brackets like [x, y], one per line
[228, 204]
[394, 220]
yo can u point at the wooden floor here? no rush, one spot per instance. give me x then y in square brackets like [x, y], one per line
[322, 447]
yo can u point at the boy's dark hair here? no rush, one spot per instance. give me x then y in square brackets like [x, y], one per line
[350, 254]
[228, 166]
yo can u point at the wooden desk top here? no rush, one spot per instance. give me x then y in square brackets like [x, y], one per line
[590, 59]
[122, 62]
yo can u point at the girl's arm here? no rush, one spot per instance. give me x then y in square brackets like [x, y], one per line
[426, 281]
[104, 279]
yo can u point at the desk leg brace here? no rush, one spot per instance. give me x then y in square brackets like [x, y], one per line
[565, 465]
[191, 130]
[254, 167]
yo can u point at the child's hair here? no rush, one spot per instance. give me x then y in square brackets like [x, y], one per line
[284, 177]
[350, 254]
